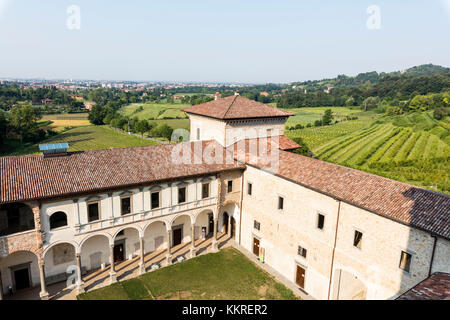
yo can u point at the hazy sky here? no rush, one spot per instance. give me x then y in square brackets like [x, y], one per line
[219, 40]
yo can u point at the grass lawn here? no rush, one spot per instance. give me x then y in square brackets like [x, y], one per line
[227, 275]
[87, 138]
[304, 116]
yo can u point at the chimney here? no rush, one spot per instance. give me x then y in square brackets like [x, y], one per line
[217, 96]
[236, 93]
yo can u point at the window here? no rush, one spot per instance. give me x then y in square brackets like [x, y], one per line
[269, 132]
[280, 203]
[58, 220]
[125, 205]
[14, 218]
[230, 186]
[320, 221]
[249, 189]
[198, 133]
[93, 212]
[357, 239]
[302, 251]
[155, 200]
[205, 190]
[182, 195]
[256, 225]
[405, 261]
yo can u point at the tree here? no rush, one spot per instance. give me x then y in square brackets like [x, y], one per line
[24, 121]
[96, 115]
[327, 117]
[142, 127]
[370, 103]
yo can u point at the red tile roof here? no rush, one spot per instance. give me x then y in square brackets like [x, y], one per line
[436, 287]
[236, 107]
[284, 143]
[34, 177]
[424, 209]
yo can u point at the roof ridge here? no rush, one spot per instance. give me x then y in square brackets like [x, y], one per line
[235, 97]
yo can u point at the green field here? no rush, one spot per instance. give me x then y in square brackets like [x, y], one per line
[155, 111]
[304, 116]
[227, 275]
[87, 138]
[413, 148]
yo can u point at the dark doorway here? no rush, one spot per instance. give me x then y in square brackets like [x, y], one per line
[233, 228]
[256, 247]
[300, 277]
[225, 221]
[22, 278]
[119, 252]
[177, 236]
[210, 223]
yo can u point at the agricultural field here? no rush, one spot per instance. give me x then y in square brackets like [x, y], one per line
[304, 116]
[88, 138]
[61, 121]
[413, 148]
[155, 111]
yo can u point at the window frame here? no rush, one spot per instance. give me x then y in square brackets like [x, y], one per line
[151, 199]
[280, 197]
[318, 220]
[98, 210]
[228, 186]
[303, 249]
[131, 204]
[410, 254]
[209, 190]
[249, 188]
[185, 194]
[256, 225]
[60, 227]
[356, 231]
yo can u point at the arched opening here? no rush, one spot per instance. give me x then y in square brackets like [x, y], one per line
[58, 220]
[204, 225]
[347, 286]
[94, 253]
[14, 218]
[126, 245]
[57, 259]
[181, 230]
[225, 222]
[230, 214]
[155, 237]
[19, 271]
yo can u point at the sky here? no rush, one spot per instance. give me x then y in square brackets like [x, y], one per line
[246, 41]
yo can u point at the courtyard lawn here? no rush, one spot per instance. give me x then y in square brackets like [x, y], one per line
[227, 274]
[87, 138]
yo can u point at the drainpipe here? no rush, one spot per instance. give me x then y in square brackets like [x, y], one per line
[432, 255]
[240, 206]
[334, 248]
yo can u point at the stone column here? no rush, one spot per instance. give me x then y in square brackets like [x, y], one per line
[229, 226]
[80, 283]
[43, 294]
[142, 261]
[169, 242]
[214, 245]
[112, 273]
[193, 253]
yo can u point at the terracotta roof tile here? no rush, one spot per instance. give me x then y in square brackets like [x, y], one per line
[424, 209]
[34, 177]
[236, 107]
[436, 287]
